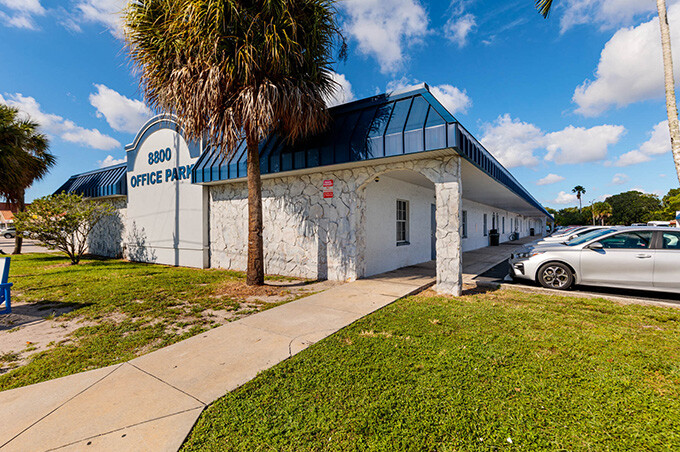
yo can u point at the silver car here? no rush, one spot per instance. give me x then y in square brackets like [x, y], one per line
[9, 233]
[644, 258]
[578, 232]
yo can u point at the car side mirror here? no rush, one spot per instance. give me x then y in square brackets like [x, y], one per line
[596, 246]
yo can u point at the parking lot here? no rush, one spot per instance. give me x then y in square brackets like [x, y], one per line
[500, 276]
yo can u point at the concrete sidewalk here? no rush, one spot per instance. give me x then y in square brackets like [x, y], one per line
[152, 402]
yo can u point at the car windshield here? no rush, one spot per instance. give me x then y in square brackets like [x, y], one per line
[588, 237]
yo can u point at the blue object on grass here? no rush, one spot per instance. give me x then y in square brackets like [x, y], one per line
[5, 298]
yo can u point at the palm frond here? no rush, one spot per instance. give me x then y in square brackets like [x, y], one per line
[228, 68]
[544, 7]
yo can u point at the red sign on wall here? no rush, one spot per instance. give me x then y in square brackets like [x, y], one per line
[328, 183]
[328, 194]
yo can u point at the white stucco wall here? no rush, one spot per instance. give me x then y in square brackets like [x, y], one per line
[382, 252]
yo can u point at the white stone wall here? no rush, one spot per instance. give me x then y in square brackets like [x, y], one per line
[108, 236]
[310, 236]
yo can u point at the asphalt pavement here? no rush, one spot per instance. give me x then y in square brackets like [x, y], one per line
[29, 246]
[500, 276]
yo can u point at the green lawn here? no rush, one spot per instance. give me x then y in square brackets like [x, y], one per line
[495, 371]
[126, 309]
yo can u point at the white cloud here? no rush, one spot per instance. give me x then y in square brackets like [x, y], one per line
[605, 13]
[451, 97]
[55, 125]
[384, 29]
[110, 161]
[103, 12]
[21, 13]
[619, 179]
[630, 68]
[455, 100]
[632, 158]
[564, 198]
[550, 179]
[457, 28]
[513, 142]
[579, 145]
[343, 92]
[123, 114]
[659, 143]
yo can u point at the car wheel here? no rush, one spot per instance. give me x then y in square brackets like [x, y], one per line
[8, 236]
[555, 275]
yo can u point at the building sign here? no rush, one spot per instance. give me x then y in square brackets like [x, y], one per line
[168, 212]
[328, 188]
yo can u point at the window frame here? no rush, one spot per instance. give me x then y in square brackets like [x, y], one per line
[485, 224]
[405, 221]
[660, 244]
[650, 245]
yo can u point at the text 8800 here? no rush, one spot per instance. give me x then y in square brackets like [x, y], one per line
[162, 155]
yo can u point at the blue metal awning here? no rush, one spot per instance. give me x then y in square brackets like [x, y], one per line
[110, 181]
[380, 126]
[377, 127]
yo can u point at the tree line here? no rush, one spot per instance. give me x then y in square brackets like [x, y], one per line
[622, 209]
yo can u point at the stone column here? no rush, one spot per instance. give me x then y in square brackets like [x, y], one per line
[449, 256]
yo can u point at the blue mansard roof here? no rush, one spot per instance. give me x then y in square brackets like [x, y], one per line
[104, 182]
[381, 126]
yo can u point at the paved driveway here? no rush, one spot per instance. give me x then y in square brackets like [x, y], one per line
[500, 276]
[29, 246]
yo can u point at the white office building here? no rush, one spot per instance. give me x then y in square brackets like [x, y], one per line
[394, 181]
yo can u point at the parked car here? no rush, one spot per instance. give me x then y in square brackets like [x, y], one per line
[578, 232]
[9, 233]
[644, 258]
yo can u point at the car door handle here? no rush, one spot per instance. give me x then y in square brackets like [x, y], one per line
[643, 256]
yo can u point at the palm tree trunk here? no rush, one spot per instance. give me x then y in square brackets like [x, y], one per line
[255, 273]
[671, 107]
[18, 239]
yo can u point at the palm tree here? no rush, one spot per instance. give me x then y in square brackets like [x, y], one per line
[602, 211]
[669, 82]
[579, 190]
[24, 159]
[233, 70]
[544, 7]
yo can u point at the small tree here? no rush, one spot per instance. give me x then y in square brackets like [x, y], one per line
[62, 222]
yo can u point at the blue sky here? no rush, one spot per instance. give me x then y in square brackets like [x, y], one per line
[575, 99]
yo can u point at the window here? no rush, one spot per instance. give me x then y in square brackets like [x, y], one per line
[402, 222]
[503, 225]
[671, 240]
[463, 225]
[638, 240]
[485, 225]
[493, 220]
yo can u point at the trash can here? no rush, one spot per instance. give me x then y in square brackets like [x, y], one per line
[494, 237]
[531, 232]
